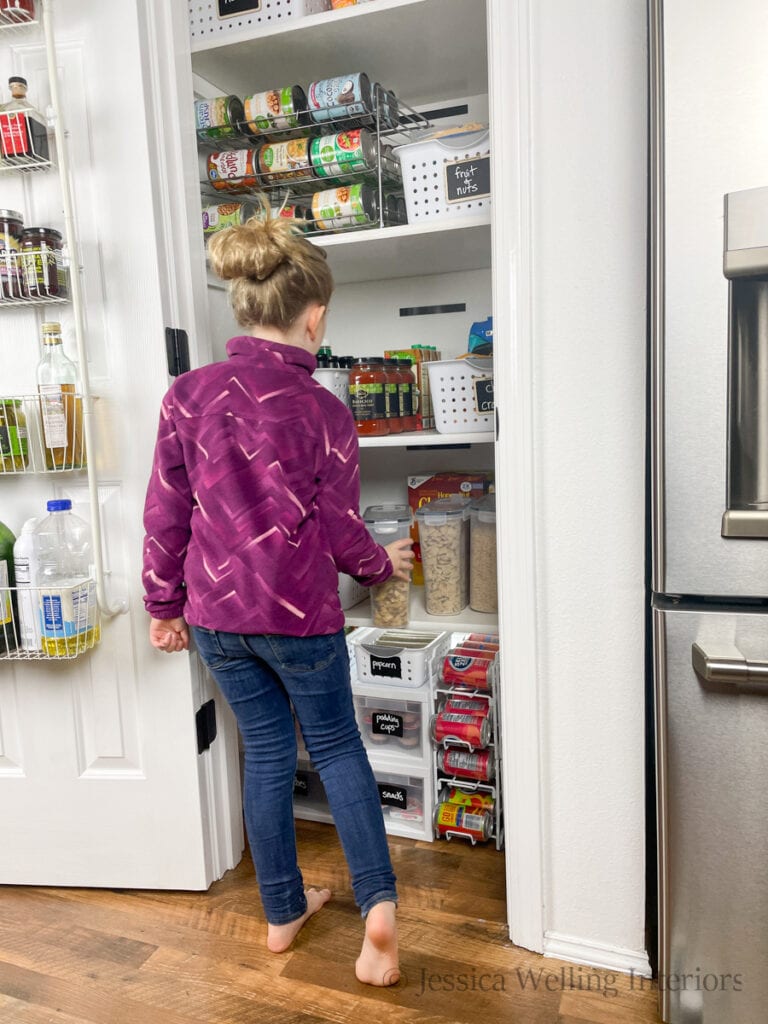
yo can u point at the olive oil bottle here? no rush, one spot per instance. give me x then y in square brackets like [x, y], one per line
[61, 408]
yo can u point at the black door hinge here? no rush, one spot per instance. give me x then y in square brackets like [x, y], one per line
[205, 720]
[177, 350]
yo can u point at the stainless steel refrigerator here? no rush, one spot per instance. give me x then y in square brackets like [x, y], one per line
[709, 503]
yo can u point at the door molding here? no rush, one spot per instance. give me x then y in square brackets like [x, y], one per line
[509, 49]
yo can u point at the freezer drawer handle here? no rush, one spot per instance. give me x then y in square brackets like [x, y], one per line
[730, 666]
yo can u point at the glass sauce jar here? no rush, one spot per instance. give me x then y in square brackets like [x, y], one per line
[392, 391]
[41, 259]
[407, 395]
[11, 228]
[367, 383]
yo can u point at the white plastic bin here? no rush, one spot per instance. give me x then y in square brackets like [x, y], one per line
[208, 28]
[446, 177]
[462, 394]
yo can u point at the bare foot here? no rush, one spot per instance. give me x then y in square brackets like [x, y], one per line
[377, 963]
[280, 936]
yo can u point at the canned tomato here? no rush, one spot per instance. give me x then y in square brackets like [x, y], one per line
[343, 153]
[344, 206]
[464, 764]
[474, 799]
[286, 161]
[467, 821]
[474, 730]
[234, 170]
[345, 96]
[225, 215]
[301, 215]
[218, 118]
[475, 673]
[465, 705]
[276, 109]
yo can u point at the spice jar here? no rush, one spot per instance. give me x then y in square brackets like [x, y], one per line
[389, 600]
[444, 541]
[367, 382]
[14, 452]
[408, 401]
[483, 596]
[392, 391]
[42, 263]
[11, 227]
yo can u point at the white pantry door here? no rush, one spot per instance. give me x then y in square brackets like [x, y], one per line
[101, 782]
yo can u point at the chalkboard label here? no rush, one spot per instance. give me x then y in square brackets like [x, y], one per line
[483, 395]
[231, 8]
[389, 667]
[384, 723]
[468, 180]
[392, 796]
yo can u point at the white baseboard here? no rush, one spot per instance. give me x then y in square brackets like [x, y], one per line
[596, 954]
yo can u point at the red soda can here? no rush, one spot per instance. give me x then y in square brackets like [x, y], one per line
[455, 818]
[471, 672]
[474, 730]
[465, 705]
[465, 765]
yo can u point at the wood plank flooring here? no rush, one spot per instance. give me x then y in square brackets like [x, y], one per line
[92, 956]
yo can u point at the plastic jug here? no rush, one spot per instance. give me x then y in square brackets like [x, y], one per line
[25, 566]
[69, 622]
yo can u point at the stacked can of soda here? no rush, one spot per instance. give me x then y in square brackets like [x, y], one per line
[463, 729]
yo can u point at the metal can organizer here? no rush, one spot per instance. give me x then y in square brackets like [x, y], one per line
[475, 673]
[286, 161]
[464, 764]
[218, 118]
[225, 215]
[346, 206]
[343, 153]
[275, 110]
[450, 726]
[234, 170]
[455, 819]
[341, 98]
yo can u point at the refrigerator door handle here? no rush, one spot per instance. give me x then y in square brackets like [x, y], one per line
[729, 666]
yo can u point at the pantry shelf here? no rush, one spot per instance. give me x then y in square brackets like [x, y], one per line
[472, 622]
[426, 439]
[386, 38]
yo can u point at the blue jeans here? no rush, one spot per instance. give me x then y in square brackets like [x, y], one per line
[260, 677]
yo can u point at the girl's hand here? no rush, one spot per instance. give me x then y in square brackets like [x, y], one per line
[169, 635]
[401, 557]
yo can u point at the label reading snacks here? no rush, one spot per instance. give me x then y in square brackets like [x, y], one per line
[392, 795]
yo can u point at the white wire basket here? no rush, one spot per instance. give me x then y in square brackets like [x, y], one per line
[34, 276]
[209, 20]
[49, 623]
[23, 146]
[42, 433]
[447, 177]
[16, 19]
[462, 394]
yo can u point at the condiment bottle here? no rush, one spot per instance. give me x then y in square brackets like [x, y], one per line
[367, 381]
[42, 263]
[61, 408]
[407, 395]
[11, 228]
[23, 135]
[392, 391]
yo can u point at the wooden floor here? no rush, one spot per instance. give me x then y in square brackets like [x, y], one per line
[89, 956]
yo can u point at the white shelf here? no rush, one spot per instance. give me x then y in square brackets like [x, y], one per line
[402, 43]
[426, 439]
[472, 622]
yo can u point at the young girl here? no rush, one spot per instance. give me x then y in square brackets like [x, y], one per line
[251, 512]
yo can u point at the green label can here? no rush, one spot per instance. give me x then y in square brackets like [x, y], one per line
[343, 153]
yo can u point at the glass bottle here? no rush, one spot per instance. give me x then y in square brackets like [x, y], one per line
[22, 128]
[61, 408]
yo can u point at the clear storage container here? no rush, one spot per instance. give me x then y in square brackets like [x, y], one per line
[444, 539]
[390, 600]
[483, 595]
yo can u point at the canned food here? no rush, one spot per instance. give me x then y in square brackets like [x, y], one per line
[477, 645]
[286, 161]
[300, 214]
[465, 764]
[343, 153]
[218, 118]
[341, 97]
[470, 672]
[465, 705]
[14, 451]
[467, 821]
[285, 108]
[474, 799]
[344, 207]
[225, 215]
[474, 730]
[234, 170]
[11, 227]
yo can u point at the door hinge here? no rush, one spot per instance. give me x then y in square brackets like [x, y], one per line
[177, 350]
[205, 720]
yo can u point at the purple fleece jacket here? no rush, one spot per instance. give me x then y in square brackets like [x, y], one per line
[253, 503]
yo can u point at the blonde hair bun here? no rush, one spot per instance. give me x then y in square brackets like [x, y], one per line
[253, 250]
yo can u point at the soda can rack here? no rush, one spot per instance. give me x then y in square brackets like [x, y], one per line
[34, 277]
[23, 447]
[53, 622]
[12, 157]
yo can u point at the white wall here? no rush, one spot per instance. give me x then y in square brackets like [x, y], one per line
[589, 207]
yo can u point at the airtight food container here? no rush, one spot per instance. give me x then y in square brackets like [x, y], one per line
[444, 539]
[483, 596]
[390, 601]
